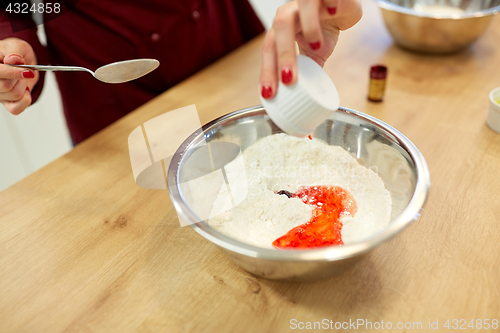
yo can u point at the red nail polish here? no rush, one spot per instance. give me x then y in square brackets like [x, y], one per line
[266, 92]
[28, 74]
[332, 10]
[286, 76]
[315, 46]
[28, 89]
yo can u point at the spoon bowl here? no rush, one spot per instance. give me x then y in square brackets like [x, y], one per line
[116, 72]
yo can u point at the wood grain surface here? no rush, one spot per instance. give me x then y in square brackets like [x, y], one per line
[83, 249]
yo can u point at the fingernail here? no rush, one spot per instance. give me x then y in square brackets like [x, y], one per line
[332, 10]
[28, 89]
[286, 75]
[14, 55]
[266, 92]
[18, 60]
[315, 46]
[28, 74]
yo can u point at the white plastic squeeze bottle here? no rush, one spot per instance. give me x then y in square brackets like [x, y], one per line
[301, 107]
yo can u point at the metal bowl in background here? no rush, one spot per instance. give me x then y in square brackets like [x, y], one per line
[374, 143]
[437, 26]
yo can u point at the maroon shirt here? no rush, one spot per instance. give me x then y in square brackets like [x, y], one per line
[184, 35]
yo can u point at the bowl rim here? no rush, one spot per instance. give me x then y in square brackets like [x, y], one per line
[387, 5]
[331, 253]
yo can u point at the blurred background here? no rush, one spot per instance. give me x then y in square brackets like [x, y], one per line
[39, 135]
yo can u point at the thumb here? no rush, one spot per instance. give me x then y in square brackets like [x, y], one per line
[13, 52]
[13, 55]
[13, 58]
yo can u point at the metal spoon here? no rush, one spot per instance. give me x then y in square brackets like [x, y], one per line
[116, 72]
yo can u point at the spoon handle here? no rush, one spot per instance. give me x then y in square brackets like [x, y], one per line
[55, 68]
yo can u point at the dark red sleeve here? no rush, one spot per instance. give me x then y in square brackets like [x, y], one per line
[27, 27]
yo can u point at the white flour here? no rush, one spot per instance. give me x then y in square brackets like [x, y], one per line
[282, 162]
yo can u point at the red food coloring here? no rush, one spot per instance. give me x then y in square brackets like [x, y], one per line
[310, 137]
[324, 228]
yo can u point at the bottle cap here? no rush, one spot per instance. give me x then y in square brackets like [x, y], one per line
[300, 108]
[493, 119]
[378, 72]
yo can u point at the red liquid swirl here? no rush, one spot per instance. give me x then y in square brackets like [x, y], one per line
[330, 203]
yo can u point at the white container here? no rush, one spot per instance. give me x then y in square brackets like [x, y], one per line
[493, 119]
[301, 107]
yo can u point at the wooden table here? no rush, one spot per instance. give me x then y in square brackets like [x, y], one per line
[82, 248]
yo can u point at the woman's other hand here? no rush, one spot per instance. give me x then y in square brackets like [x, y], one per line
[16, 84]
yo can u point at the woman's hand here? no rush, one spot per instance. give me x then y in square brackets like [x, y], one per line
[16, 83]
[315, 25]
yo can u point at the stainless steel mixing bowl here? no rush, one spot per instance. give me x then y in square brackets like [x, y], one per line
[375, 145]
[432, 25]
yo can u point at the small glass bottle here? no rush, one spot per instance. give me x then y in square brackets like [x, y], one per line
[378, 76]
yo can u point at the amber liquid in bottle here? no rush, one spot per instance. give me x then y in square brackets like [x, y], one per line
[378, 77]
